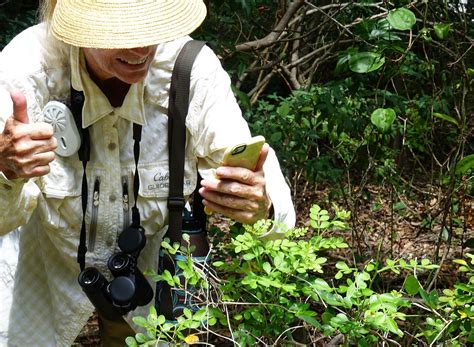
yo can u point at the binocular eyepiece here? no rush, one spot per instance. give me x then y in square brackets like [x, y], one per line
[129, 288]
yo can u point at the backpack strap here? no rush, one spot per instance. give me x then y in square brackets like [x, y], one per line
[177, 112]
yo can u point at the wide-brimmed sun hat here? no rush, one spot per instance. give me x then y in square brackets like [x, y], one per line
[125, 23]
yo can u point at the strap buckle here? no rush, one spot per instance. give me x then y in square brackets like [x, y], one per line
[175, 203]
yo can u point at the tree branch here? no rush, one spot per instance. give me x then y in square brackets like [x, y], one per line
[273, 36]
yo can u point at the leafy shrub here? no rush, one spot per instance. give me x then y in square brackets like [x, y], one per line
[16, 16]
[269, 292]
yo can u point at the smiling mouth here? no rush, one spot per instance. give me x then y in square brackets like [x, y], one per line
[133, 62]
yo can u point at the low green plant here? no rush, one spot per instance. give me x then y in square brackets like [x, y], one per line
[268, 291]
[452, 320]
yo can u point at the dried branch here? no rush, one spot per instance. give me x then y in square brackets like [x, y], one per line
[273, 36]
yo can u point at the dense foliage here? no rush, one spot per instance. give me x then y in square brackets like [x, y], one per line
[284, 292]
[350, 94]
[360, 92]
[16, 16]
[312, 85]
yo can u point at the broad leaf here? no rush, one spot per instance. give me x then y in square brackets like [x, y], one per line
[412, 286]
[383, 118]
[364, 62]
[442, 30]
[401, 19]
[464, 164]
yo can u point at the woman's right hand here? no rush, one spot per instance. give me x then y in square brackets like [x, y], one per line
[25, 149]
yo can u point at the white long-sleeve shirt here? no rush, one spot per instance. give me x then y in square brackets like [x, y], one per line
[49, 307]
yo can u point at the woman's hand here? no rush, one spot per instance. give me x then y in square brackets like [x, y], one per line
[238, 193]
[25, 149]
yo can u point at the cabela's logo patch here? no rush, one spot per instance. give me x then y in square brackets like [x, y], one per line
[162, 181]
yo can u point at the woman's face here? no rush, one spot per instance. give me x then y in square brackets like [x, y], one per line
[128, 65]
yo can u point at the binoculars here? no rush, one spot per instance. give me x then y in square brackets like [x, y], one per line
[129, 288]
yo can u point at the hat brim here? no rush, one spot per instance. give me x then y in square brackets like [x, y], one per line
[125, 24]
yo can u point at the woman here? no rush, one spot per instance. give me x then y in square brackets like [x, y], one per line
[120, 55]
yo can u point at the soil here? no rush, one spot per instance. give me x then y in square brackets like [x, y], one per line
[384, 224]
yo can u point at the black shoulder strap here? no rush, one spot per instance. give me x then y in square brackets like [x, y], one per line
[177, 111]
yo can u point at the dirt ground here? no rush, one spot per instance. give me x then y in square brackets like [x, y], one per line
[384, 224]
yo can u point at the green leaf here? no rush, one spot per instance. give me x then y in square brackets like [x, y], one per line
[276, 137]
[442, 30]
[412, 286]
[425, 262]
[392, 325]
[364, 62]
[140, 321]
[242, 97]
[283, 110]
[249, 256]
[446, 118]
[464, 164]
[130, 341]
[310, 320]
[140, 337]
[460, 261]
[267, 267]
[399, 206]
[401, 19]
[161, 320]
[383, 118]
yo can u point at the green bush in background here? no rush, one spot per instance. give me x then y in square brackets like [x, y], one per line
[16, 16]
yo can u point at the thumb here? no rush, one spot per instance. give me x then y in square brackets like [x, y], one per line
[263, 157]
[19, 107]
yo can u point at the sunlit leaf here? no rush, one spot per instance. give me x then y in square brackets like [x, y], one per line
[383, 118]
[401, 19]
[446, 118]
[191, 339]
[130, 341]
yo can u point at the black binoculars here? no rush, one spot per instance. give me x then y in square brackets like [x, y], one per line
[129, 288]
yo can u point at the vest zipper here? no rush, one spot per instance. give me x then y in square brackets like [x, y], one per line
[94, 215]
[125, 203]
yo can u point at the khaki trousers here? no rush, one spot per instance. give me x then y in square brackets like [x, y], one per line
[113, 334]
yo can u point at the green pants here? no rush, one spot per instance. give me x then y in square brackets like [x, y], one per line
[113, 334]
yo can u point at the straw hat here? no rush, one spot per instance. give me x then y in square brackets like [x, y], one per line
[125, 23]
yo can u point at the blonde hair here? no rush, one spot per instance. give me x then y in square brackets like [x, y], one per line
[46, 10]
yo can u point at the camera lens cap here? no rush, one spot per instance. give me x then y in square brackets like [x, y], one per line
[122, 290]
[131, 240]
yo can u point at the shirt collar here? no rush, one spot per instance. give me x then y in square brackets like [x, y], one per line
[96, 104]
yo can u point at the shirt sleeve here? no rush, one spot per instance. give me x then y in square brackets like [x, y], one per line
[215, 122]
[19, 197]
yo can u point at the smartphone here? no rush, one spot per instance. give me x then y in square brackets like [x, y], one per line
[244, 154]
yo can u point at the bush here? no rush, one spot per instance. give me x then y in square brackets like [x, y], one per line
[287, 291]
[16, 16]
